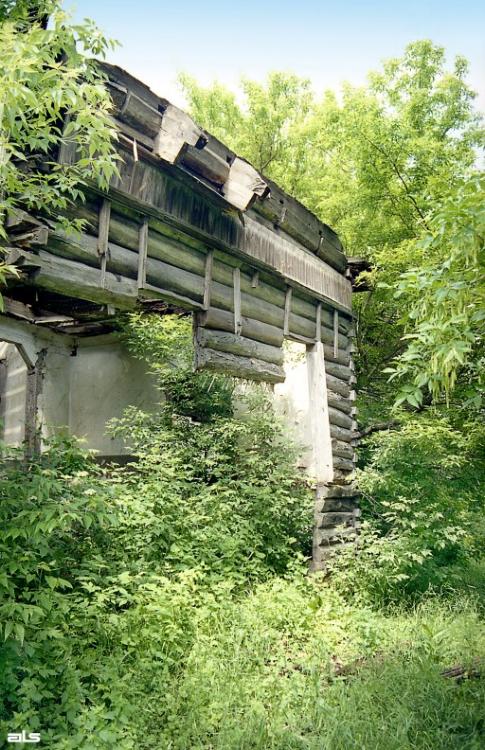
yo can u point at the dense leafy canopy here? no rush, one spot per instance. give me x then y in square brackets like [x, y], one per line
[47, 80]
[381, 164]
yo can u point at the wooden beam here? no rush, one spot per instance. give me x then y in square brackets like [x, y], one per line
[177, 131]
[237, 366]
[35, 374]
[243, 185]
[228, 342]
[251, 328]
[103, 235]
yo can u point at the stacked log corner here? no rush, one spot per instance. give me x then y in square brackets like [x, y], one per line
[336, 521]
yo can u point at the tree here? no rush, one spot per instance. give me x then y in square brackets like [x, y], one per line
[375, 163]
[48, 80]
[445, 296]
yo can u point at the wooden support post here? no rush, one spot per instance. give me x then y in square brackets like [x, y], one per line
[142, 253]
[237, 301]
[209, 261]
[35, 372]
[255, 279]
[286, 322]
[335, 334]
[318, 332]
[103, 234]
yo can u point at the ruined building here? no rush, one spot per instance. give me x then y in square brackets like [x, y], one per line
[187, 225]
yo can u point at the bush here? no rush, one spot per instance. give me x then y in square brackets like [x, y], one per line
[422, 505]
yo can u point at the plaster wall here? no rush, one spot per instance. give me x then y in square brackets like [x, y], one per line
[104, 380]
[302, 403]
[85, 384]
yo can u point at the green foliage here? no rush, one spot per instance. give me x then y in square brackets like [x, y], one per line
[47, 77]
[378, 163]
[445, 299]
[164, 604]
[422, 505]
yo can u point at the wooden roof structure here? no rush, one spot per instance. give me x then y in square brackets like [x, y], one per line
[187, 224]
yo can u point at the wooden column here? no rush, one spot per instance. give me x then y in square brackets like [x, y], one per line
[35, 372]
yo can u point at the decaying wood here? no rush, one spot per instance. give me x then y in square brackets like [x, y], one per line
[240, 345]
[35, 373]
[339, 419]
[378, 427]
[240, 367]
[342, 449]
[287, 213]
[206, 164]
[342, 433]
[236, 274]
[338, 386]
[251, 328]
[338, 401]
[209, 262]
[142, 253]
[103, 234]
[243, 185]
[338, 371]
[177, 131]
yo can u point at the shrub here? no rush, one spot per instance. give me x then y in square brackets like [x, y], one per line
[422, 501]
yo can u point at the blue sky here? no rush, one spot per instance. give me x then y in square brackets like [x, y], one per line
[327, 42]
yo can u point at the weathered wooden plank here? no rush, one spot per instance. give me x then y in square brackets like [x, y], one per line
[335, 504]
[142, 253]
[342, 449]
[252, 329]
[287, 213]
[125, 262]
[177, 131]
[339, 418]
[338, 386]
[318, 324]
[344, 464]
[103, 233]
[342, 433]
[80, 281]
[338, 401]
[209, 262]
[335, 334]
[240, 367]
[330, 519]
[240, 345]
[243, 185]
[206, 164]
[338, 371]
[236, 275]
[286, 318]
[342, 359]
